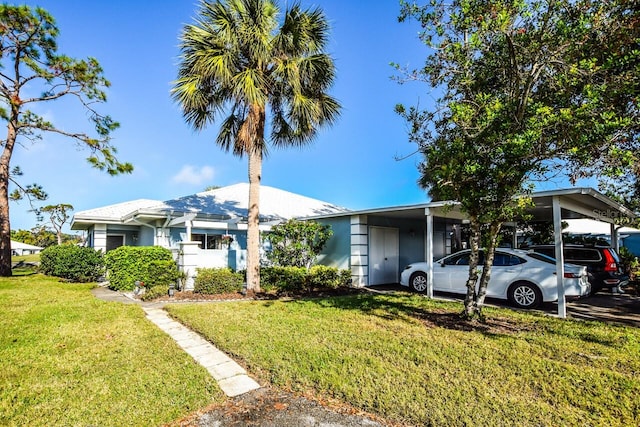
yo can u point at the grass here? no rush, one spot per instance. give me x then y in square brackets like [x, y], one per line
[25, 258]
[70, 359]
[29, 268]
[411, 361]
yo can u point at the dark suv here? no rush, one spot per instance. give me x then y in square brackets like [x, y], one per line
[602, 262]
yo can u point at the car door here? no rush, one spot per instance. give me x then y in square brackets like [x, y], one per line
[504, 271]
[455, 272]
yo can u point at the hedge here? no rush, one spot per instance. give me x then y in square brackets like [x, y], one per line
[299, 279]
[217, 281]
[152, 265]
[71, 262]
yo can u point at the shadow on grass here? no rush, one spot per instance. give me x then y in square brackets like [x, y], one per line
[18, 272]
[402, 305]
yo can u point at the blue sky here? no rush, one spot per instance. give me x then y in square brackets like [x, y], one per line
[351, 164]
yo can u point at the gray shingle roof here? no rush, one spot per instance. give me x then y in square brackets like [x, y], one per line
[232, 201]
[227, 202]
[117, 211]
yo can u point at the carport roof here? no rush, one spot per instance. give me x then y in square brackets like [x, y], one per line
[575, 202]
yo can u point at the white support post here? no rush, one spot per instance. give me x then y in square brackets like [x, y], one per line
[189, 225]
[429, 251]
[557, 233]
[615, 244]
[188, 262]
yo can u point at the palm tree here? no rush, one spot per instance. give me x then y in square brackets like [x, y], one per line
[239, 61]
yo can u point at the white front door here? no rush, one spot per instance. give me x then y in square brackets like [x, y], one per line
[383, 253]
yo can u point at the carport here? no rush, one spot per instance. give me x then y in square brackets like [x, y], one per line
[368, 231]
[555, 206]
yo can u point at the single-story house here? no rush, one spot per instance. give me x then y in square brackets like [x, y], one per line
[207, 229]
[19, 248]
[374, 244]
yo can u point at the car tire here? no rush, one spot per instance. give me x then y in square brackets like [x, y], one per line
[525, 295]
[418, 282]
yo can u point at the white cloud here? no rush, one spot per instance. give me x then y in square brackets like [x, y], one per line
[192, 175]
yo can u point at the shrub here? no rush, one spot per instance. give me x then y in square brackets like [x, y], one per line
[155, 292]
[296, 243]
[283, 279]
[217, 281]
[298, 279]
[161, 273]
[631, 266]
[70, 262]
[323, 277]
[152, 265]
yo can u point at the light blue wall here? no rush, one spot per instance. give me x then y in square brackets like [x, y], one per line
[146, 236]
[337, 253]
[174, 235]
[411, 234]
[632, 242]
[129, 232]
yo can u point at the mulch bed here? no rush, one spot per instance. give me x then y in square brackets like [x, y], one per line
[233, 296]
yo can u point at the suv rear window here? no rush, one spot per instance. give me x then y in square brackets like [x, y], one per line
[581, 254]
[572, 253]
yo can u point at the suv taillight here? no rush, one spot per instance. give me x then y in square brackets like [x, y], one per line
[610, 263]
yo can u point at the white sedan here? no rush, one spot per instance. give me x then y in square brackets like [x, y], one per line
[526, 279]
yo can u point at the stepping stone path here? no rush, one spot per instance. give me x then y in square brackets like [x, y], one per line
[231, 377]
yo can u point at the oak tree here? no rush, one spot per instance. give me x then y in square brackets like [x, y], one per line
[524, 89]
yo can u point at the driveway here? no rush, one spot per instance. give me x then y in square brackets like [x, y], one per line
[607, 307]
[603, 306]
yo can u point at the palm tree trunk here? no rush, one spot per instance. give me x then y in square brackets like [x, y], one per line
[253, 222]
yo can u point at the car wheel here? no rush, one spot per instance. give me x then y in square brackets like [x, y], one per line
[525, 295]
[418, 282]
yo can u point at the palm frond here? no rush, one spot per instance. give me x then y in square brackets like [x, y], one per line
[237, 58]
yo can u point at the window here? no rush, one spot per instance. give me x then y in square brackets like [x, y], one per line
[114, 241]
[542, 257]
[579, 254]
[209, 241]
[505, 260]
[463, 259]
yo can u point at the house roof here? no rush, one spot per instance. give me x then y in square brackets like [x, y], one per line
[233, 201]
[223, 203]
[576, 203]
[24, 246]
[117, 211]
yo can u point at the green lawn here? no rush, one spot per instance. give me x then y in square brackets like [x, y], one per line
[26, 269]
[25, 258]
[408, 359]
[70, 359]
